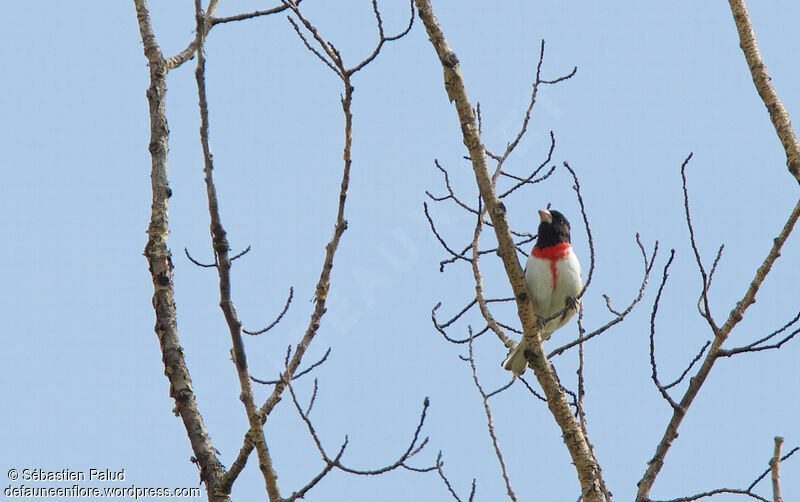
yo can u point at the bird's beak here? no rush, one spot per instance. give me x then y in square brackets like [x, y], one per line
[545, 216]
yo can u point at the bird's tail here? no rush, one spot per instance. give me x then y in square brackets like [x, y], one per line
[515, 361]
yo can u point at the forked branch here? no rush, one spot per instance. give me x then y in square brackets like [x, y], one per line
[714, 352]
[573, 435]
[223, 261]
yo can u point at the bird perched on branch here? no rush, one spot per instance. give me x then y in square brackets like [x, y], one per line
[553, 274]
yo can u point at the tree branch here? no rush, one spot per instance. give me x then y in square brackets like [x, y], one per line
[736, 315]
[574, 438]
[223, 261]
[775, 470]
[250, 15]
[490, 420]
[188, 53]
[447, 484]
[159, 259]
[777, 113]
[277, 319]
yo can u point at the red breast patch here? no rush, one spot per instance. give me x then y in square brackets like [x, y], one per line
[552, 253]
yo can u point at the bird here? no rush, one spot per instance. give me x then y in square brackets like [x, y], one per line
[553, 274]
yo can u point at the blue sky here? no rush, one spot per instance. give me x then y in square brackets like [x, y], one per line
[82, 374]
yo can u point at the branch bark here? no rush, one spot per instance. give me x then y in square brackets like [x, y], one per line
[775, 469]
[736, 315]
[762, 81]
[223, 261]
[576, 442]
[159, 259]
[783, 127]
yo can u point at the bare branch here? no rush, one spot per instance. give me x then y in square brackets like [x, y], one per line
[688, 368]
[490, 421]
[774, 462]
[439, 469]
[577, 188]
[457, 316]
[441, 327]
[648, 266]
[696, 382]
[579, 405]
[414, 447]
[295, 376]
[532, 390]
[329, 463]
[764, 474]
[325, 470]
[457, 256]
[775, 469]
[277, 319]
[476, 275]
[250, 15]
[159, 259]
[383, 38]
[705, 311]
[322, 58]
[204, 265]
[223, 261]
[501, 389]
[189, 52]
[777, 113]
[654, 374]
[530, 178]
[451, 193]
[524, 127]
[718, 491]
[331, 56]
[242, 253]
[323, 284]
[574, 439]
[757, 347]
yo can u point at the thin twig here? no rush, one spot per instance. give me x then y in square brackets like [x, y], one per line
[530, 178]
[441, 327]
[250, 15]
[577, 188]
[414, 447]
[696, 382]
[691, 364]
[383, 39]
[648, 266]
[447, 484]
[575, 441]
[457, 256]
[277, 319]
[653, 366]
[450, 193]
[242, 253]
[757, 347]
[296, 375]
[737, 491]
[490, 422]
[767, 471]
[705, 311]
[204, 265]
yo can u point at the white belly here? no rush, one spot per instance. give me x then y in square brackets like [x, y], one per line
[549, 297]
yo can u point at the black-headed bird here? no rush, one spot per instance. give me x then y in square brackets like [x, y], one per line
[553, 274]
